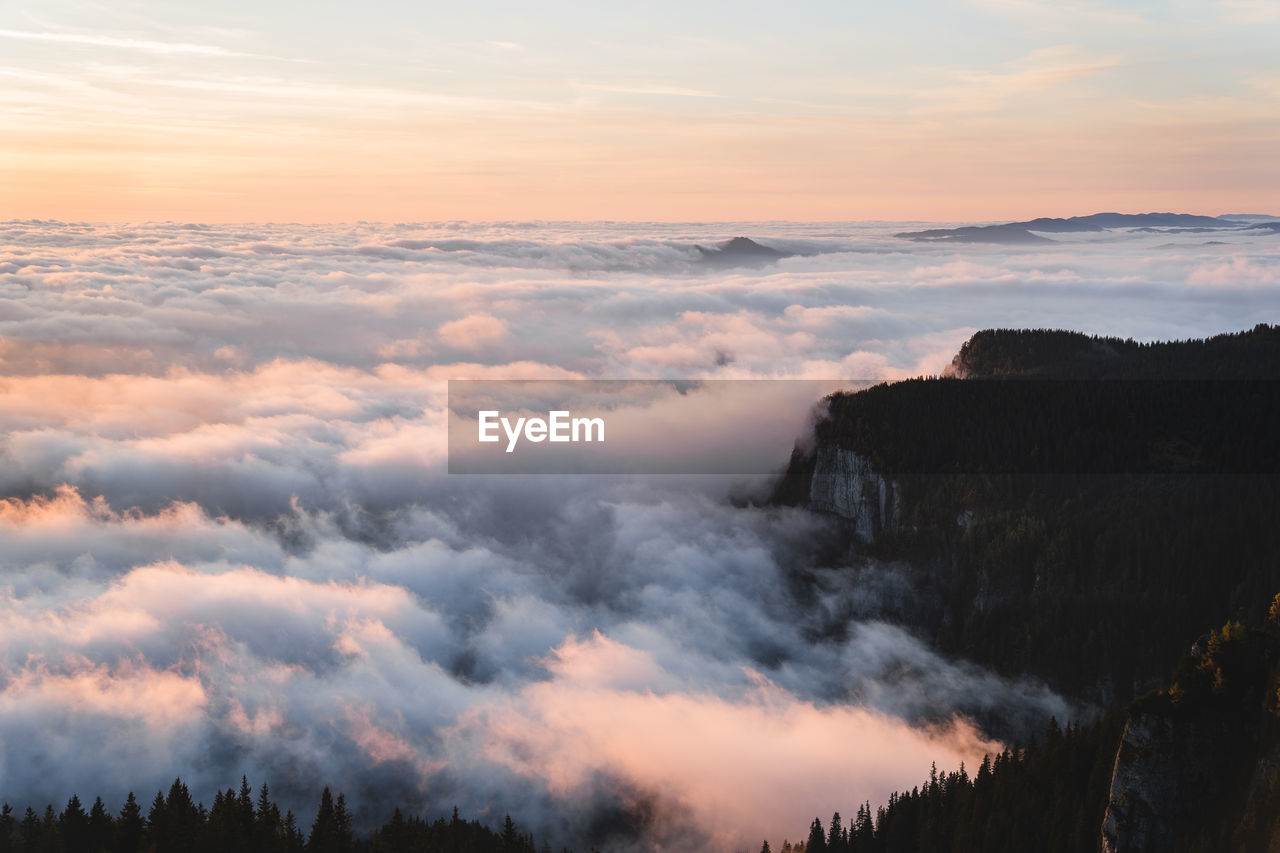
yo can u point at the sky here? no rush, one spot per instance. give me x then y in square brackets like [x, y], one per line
[318, 111]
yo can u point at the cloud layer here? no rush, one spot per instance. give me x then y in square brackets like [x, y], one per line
[229, 545]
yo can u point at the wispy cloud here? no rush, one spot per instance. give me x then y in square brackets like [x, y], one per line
[162, 48]
[1071, 15]
[985, 90]
[640, 88]
[1268, 85]
[1249, 11]
[146, 46]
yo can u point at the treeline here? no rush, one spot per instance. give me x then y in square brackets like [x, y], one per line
[1049, 797]
[1188, 406]
[1054, 353]
[1224, 706]
[239, 822]
[1053, 426]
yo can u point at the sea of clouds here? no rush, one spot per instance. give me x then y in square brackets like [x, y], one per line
[228, 543]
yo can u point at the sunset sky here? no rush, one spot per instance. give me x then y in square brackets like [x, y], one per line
[393, 110]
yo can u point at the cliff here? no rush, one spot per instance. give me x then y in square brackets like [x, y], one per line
[1073, 509]
[1165, 769]
[844, 483]
[1069, 509]
[1193, 767]
[1196, 766]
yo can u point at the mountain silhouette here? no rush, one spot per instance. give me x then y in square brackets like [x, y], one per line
[740, 251]
[1013, 233]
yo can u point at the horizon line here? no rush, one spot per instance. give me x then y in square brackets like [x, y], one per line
[507, 221]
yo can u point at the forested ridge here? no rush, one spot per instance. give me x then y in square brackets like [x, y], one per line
[1075, 509]
[1250, 354]
[1058, 402]
[1077, 504]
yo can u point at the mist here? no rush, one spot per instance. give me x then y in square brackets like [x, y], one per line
[228, 544]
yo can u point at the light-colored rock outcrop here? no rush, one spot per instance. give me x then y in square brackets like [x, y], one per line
[845, 484]
[1165, 766]
[1143, 786]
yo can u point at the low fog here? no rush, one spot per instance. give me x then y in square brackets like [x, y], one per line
[228, 544]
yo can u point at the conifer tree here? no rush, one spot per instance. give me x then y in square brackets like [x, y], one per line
[183, 820]
[836, 837]
[129, 827]
[100, 827]
[8, 829]
[509, 839]
[267, 829]
[29, 830]
[817, 838]
[157, 823]
[344, 825]
[48, 837]
[332, 831]
[323, 830]
[293, 840]
[73, 826]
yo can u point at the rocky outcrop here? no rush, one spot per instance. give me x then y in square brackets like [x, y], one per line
[845, 484]
[1143, 787]
[1167, 767]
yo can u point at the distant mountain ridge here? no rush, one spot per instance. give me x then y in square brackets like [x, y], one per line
[740, 251]
[1013, 233]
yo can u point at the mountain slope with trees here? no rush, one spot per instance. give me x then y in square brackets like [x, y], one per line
[1075, 505]
[1060, 792]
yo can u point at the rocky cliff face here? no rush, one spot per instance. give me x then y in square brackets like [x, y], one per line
[1168, 767]
[845, 484]
[1198, 766]
[1144, 787]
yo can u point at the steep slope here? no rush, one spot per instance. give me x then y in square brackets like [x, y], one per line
[1067, 530]
[1192, 767]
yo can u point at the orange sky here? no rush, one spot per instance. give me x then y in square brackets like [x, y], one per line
[986, 110]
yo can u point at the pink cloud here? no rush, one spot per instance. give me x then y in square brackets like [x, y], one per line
[382, 745]
[472, 331]
[747, 766]
[160, 698]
